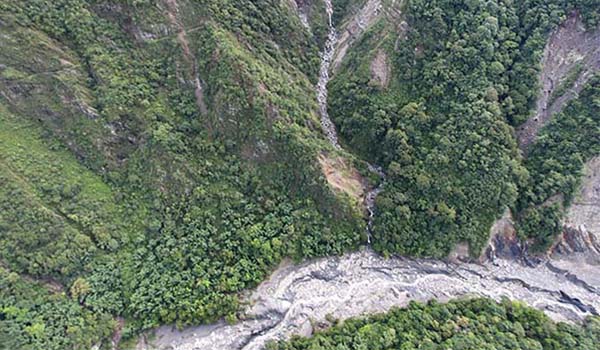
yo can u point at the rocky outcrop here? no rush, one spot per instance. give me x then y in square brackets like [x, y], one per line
[581, 236]
[577, 240]
[503, 243]
[585, 209]
[302, 8]
[570, 50]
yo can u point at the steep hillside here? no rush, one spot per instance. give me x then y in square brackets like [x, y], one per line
[159, 158]
[571, 57]
[556, 162]
[432, 91]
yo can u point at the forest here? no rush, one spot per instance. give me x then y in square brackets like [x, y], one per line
[120, 197]
[443, 128]
[480, 324]
[159, 158]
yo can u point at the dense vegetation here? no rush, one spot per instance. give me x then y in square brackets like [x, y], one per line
[159, 157]
[555, 163]
[34, 318]
[124, 194]
[466, 324]
[462, 73]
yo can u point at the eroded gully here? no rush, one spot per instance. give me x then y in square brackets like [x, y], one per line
[327, 58]
[296, 299]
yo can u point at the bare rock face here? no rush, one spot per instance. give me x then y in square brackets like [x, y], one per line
[503, 242]
[302, 8]
[585, 210]
[569, 46]
[581, 235]
[577, 240]
[353, 28]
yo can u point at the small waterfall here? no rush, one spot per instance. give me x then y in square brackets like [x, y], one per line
[327, 124]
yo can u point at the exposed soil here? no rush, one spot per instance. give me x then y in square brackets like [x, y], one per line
[342, 177]
[380, 70]
[581, 236]
[354, 27]
[570, 45]
[585, 210]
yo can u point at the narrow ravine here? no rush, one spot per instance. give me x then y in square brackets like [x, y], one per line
[299, 299]
[331, 45]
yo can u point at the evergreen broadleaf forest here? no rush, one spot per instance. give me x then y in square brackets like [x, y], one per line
[160, 157]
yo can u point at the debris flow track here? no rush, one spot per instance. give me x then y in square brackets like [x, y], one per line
[298, 297]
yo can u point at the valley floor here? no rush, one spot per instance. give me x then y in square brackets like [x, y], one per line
[299, 299]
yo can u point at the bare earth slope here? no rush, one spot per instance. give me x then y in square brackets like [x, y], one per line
[354, 27]
[569, 46]
[585, 210]
[581, 237]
